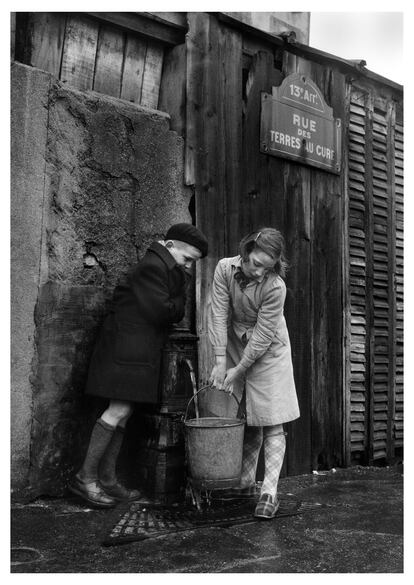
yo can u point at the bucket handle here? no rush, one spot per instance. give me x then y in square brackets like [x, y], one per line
[203, 388]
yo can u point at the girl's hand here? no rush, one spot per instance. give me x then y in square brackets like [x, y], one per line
[218, 374]
[232, 375]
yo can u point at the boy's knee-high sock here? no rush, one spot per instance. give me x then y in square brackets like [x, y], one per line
[107, 466]
[253, 439]
[101, 436]
[274, 451]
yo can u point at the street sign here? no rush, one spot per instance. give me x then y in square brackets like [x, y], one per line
[297, 124]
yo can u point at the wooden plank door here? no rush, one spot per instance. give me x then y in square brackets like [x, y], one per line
[306, 205]
[276, 194]
[238, 189]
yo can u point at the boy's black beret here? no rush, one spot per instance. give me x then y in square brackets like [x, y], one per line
[186, 232]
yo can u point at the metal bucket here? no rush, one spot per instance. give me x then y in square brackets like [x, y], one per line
[214, 449]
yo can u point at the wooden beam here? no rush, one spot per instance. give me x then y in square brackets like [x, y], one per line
[175, 19]
[248, 29]
[307, 52]
[143, 25]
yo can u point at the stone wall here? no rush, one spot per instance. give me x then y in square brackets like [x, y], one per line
[94, 181]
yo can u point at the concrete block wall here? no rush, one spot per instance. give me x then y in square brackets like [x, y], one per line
[29, 101]
[94, 181]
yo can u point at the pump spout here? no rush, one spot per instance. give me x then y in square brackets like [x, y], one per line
[189, 364]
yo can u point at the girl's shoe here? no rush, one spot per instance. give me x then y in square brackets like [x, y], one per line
[267, 507]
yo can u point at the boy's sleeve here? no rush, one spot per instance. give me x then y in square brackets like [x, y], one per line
[150, 286]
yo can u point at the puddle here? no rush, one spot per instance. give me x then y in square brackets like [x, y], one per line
[25, 554]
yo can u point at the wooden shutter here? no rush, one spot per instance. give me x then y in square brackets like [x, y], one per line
[399, 273]
[381, 299]
[375, 273]
[358, 401]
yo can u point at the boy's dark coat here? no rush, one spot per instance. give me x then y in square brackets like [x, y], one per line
[125, 364]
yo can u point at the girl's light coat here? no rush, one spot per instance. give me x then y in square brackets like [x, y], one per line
[249, 327]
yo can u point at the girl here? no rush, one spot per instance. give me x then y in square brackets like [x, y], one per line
[252, 354]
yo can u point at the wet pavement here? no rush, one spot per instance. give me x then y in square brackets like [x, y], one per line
[358, 528]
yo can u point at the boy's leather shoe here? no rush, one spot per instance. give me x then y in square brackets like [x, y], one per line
[92, 493]
[120, 493]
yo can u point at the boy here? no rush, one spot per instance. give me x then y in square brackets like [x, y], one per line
[125, 364]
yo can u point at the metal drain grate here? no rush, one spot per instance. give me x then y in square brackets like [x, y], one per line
[141, 521]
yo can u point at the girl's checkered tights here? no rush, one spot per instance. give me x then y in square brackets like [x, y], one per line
[273, 439]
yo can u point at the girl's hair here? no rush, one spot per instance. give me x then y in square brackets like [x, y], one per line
[271, 242]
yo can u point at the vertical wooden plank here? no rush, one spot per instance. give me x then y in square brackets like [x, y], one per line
[205, 135]
[261, 196]
[79, 52]
[152, 75]
[289, 63]
[327, 375]
[109, 61]
[346, 318]
[135, 51]
[12, 34]
[173, 87]
[339, 407]
[210, 183]
[326, 262]
[230, 43]
[48, 31]
[297, 227]
[22, 50]
[196, 45]
[304, 66]
[298, 310]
